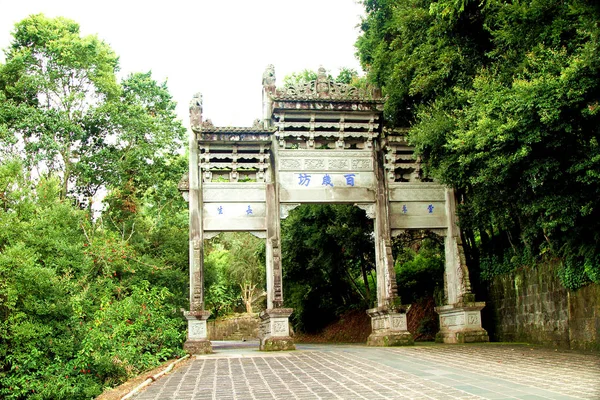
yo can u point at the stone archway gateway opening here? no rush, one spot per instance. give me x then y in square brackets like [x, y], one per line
[328, 263]
[319, 142]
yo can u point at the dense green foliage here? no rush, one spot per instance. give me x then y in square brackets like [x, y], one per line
[502, 101]
[86, 301]
[81, 307]
[328, 263]
[329, 255]
[419, 265]
[234, 269]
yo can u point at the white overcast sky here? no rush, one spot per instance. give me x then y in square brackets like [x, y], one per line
[216, 47]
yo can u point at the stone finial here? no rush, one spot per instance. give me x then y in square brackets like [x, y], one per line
[196, 102]
[257, 124]
[196, 109]
[322, 85]
[208, 124]
[268, 79]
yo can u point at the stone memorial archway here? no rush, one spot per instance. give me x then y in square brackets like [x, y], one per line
[319, 142]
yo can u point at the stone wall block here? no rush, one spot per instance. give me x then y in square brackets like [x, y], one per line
[532, 305]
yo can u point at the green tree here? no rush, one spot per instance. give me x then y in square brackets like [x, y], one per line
[220, 293]
[52, 82]
[141, 136]
[85, 303]
[64, 105]
[502, 99]
[234, 271]
[328, 260]
[416, 55]
[247, 267]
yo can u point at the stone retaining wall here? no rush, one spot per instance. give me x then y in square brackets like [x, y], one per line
[239, 327]
[531, 305]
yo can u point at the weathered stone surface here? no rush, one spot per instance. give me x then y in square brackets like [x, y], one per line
[274, 332]
[584, 318]
[239, 327]
[198, 347]
[461, 323]
[390, 339]
[197, 333]
[531, 305]
[277, 344]
[389, 327]
[317, 142]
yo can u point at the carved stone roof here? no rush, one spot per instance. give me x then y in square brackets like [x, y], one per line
[322, 88]
[235, 129]
[208, 127]
[326, 90]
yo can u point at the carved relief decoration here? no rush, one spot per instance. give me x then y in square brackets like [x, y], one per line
[197, 295]
[268, 79]
[337, 163]
[290, 163]
[278, 293]
[473, 319]
[325, 88]
[361, 164]
[279, 327]
[314, 164]
[196, 110]
[197, 329]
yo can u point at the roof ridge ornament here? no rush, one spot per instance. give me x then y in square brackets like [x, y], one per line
[324, 88]
[196, 110]
[268, 79]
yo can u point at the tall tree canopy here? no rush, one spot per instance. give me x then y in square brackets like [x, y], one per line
[62, 105]
[502, 100]
[85, 303]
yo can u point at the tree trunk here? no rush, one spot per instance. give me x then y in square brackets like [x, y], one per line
[247, 295]
[366, 281]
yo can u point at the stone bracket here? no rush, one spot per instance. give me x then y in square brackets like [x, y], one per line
[369, 209]
[286, 208]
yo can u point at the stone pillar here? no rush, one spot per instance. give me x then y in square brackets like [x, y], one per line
[388, 319]
[274, 330]
[460, 318]
[197, 341]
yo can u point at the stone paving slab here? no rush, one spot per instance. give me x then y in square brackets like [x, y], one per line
[482, 371]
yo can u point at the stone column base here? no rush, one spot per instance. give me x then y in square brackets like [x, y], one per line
[461, 323]
[274, 332]
[197, 338]
[389, 328]
[198, 346]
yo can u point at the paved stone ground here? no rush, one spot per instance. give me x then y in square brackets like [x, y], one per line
[489, 371]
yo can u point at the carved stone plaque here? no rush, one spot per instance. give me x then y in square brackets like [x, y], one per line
[336, 163]
[279, 327]
[314, 164]
[290, 163]
[361, 164]
[399, 322]
[473, 319]
[196, 329]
